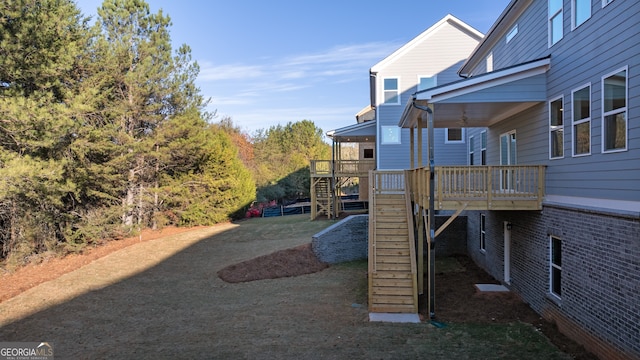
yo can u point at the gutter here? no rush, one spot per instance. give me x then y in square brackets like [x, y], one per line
[372, 88]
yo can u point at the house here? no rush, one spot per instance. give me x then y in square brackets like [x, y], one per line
[552, 99]
[430, 59]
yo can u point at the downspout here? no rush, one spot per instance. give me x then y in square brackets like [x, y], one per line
[432, 222]
[372, 100]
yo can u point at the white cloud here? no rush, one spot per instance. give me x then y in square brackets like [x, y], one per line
[210, 72]
[347, 55]
[334, 62]
[254, 118]
[290, 89]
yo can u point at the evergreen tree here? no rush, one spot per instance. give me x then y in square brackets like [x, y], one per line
[41, 52]
[146, 87]
[207, 182]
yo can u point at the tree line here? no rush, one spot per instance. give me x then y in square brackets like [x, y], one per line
[104, 132]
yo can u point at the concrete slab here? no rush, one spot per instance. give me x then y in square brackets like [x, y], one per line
[491, 288]
[394, 318]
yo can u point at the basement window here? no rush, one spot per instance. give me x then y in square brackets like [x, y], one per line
[555, 266]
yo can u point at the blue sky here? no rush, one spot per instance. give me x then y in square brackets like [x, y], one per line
[264, 63]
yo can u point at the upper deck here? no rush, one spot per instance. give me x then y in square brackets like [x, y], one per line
[341, 168]
[492, 187]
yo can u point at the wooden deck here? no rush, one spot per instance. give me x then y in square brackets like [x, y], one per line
[341, 168]
[326, 179]
[499, 187]
[395, 272]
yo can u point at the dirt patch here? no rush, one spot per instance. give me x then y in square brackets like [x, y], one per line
[284, 263]
[458, 301]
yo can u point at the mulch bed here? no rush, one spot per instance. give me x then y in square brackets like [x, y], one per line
[285, 263]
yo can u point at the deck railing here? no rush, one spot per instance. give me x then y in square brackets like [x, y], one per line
[495, 187]
[388, 182]
[342, 167]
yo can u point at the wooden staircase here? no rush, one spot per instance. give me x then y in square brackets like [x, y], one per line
[392, 260]
[321, 197]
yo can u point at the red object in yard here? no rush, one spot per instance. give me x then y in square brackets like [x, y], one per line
[252, 212]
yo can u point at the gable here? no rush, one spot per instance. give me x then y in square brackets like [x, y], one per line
[436, 36]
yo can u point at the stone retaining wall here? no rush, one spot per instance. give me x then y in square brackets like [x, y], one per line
[347, 240]
[343, 241]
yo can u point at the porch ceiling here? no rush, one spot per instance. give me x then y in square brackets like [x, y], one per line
[483, 100]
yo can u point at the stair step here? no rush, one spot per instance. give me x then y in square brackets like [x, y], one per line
[393, 267]
[385, 308]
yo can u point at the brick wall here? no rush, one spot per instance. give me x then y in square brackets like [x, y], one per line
[453, 240]
[600, 304]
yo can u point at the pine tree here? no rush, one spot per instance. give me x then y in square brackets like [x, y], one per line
[41, 52]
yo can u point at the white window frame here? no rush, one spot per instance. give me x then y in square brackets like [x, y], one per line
[512, 33]
[434, 77]
[390, 135]
[483, 233]
[624, 110]
[556, 128]
[483, 147]
[575, 122]
[574, 12]
[550, 18]
[553, 266]
[446, 137]
[384, 91]
[606, 2]
[490, 62]
[471, 150]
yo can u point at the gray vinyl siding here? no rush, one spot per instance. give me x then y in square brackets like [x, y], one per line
[449, 154]
[583, 56]
[530, 42]
[441, 54]
[532, 88]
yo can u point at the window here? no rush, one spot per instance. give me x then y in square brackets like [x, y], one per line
[556, 129]
[483, 243]
[513, 32]
[368, 153]
[427, 82]
[581, 105]
[490, 62]
[483, 147]
[614, 116]
[555, 21]
[581, 12]
[555, 268]
[454, 135]
[390, 134]
[391, 91]
[606, 2]
[471, 149]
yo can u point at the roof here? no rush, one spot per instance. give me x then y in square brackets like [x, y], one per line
[362, 132]
[449, 19]
[496, 33]
[368, 113]
[482, 100]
